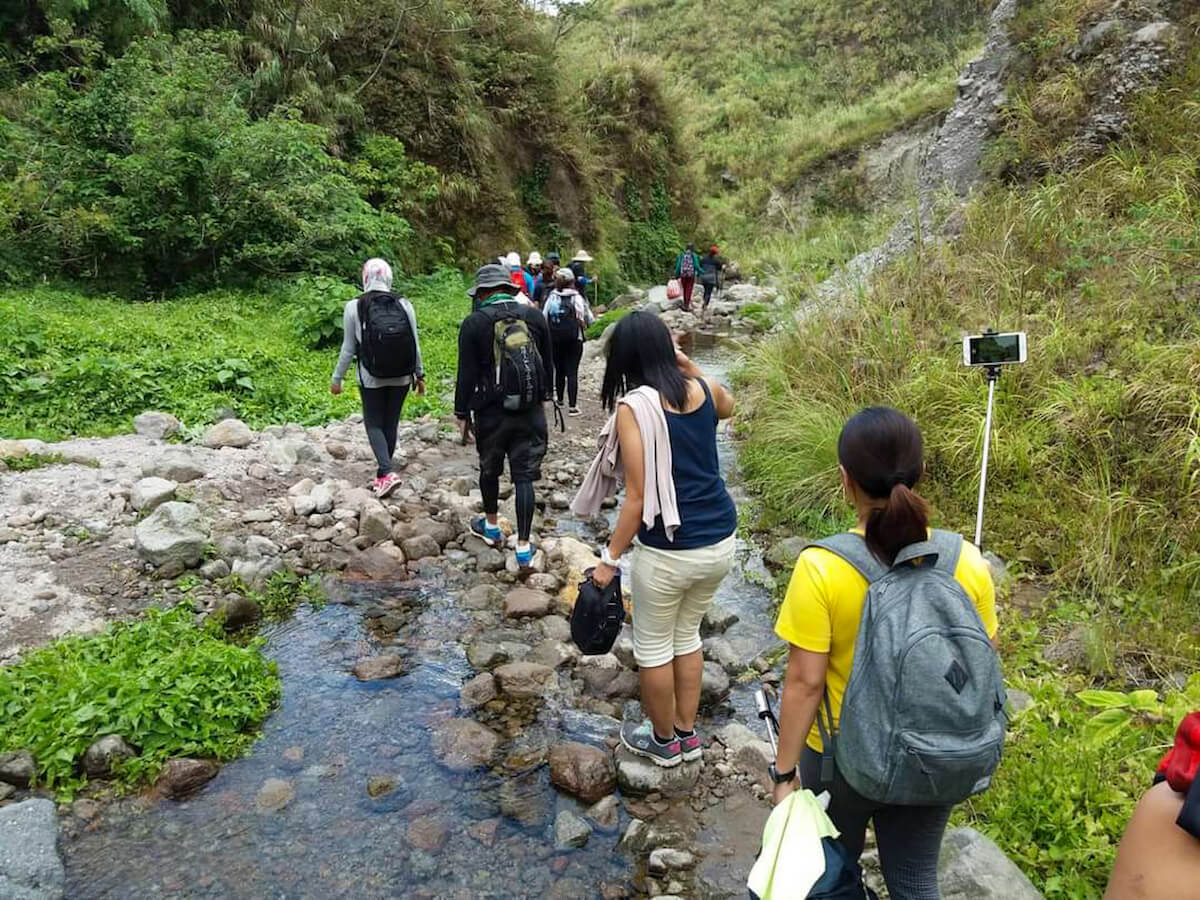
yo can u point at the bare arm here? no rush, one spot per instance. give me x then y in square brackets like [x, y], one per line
[629, 519]
[803, 688]
[349, 344]
[1156, 857]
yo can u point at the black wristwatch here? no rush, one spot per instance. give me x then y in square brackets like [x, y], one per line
[781, 777]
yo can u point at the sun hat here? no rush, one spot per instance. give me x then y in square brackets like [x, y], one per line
[566, 275]
[513, 260]
[582, 256]
[535, 259]
[490, 276]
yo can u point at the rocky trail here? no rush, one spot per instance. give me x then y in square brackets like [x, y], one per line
[439, 735]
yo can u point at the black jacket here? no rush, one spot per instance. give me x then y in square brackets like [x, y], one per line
[476, 387]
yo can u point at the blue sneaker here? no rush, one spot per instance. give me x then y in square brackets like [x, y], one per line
[525, 556]
[486, 532]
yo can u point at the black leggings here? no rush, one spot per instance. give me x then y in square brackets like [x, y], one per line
[567, 355]
[909, 837]
[708, 292]
[381, 417]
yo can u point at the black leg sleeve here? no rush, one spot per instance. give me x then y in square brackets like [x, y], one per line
[489, 487]
[524, 492]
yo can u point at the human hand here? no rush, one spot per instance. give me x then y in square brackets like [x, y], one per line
[466, 432]
[421, 386]
[603, 575]
[335, 388]
[783, 791]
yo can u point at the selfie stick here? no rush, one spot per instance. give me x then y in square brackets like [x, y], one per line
[993, 375]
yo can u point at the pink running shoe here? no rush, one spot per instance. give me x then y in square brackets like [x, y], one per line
[386, 484]
[690, 746]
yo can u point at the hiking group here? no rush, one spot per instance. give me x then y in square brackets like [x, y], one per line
[689, 266]
[893, 702]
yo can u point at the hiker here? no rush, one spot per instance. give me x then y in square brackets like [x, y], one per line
[687, 267]
[518, 276]
[1159, 855]
[711, 267]
[544, 283]
[533, 265]
[579, 268]
[880, 452]
[380, 329]
[568, 314]
[503, 354]
[676, 512]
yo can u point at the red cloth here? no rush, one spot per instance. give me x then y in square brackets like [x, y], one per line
[1179, 766]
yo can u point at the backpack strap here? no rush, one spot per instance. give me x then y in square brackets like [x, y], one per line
[852, 548]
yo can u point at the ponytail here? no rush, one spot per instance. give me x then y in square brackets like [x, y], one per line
[882, 451]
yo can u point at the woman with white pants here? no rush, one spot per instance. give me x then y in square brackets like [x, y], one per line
[682, 517]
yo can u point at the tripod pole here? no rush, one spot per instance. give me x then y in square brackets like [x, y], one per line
[993, 376]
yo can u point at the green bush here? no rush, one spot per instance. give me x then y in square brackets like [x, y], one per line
[597, 328]
[168, 687]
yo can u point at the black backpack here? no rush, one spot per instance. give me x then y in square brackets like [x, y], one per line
[563, 317]
[518, 363]
[388, 348]
[597, 617]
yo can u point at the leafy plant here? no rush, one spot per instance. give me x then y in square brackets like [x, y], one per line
[1121, 712]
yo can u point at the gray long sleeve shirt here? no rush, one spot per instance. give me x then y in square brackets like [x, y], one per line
[352, 335]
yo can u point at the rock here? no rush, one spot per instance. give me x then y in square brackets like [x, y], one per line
[228, 433]
[236, 611]
[570, 830]
[554, 653]
[972, 867]
[378, 667]
[442, 532]
[214, 570]
[180, 778]
[17, 768]
[375, 523]
[522, 602]
[283, 453]
[1154, 33]
[157, 425]
[485, 655]
[583, 771]
[336, 449]
[30, 868]
[427, 833]
[1018, 701]
[173, 533]
[604, 813]
[525, 800]
[714, 685]
[176, 464]
[720, 651]
[99, 758]
[525, 679]
[463, 744]
[322, 498]
[489, 559]
[717, 620]
[783, 554]
[753, 758]
[6, 791]
[1069, 650]
[479, 690]
[638, 776]
[12, 449]
[668, 859]
[422, 546]
[9, 536]
[577, 555]
[274, 795]
[555, 628]
[734, 736]
[484, 832]
[302, 488]
[382, 785]
[384, 562]
[481, 596]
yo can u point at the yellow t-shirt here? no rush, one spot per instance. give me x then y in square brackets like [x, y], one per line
[824, 604]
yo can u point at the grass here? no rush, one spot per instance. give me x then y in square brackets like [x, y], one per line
[72, 364]
[31, 461]
[597, 328]
[169, 687]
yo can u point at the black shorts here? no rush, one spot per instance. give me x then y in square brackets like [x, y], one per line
[519, 436]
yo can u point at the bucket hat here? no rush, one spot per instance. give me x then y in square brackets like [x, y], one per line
[488, 277]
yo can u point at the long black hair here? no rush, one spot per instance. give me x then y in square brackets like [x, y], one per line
[641, 352]
[883, 452]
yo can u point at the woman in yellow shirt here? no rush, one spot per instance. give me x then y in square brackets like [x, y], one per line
[881, 458]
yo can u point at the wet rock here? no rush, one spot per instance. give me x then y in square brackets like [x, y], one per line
[30, 868]
[525, 800]
[236, 611]
[485, 655]
[99, 758]
[479, 690]
[641, 837]
[149, 493]
[382, 563]
[570, 831]
[173, 533]
[714, 685]
[583, 771]
[383, 785]
[378, 667]
[639, 777]
[525, 679]
[484, 832]
[972, 867]
[555, 628]
[720, 651]
[228, 433]
[489, 560]
[274, 795]
[375, 523]
[176, 464]
[522, 602]
[462, 745]
[427, 833]
[481, 596]
[604, 813]
[554, 653]
[17, 768]
[717, 620]
[422, 546]
[180, 778]
[668, 859]
[156, 425]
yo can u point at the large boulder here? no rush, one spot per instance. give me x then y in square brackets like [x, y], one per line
[150, 493]
[173, 533]
[30, 868]
[586, 772]
[157, 425]
[228, 433]
[176, 464]
[463, 744]
[972, 867]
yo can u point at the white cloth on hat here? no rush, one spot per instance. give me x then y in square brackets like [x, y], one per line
[376, 275]
[535, 259]
[513, 260]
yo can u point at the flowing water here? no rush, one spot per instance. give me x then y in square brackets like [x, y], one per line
[295, 818]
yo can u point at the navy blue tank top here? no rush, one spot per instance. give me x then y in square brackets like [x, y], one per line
[706, 511]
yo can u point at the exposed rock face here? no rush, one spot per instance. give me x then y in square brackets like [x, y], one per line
[181, 778]
[584, 771]
[463, 744]
[100, 757]
[30, 868]
[972, 867]
[173, 533]
[228, 433]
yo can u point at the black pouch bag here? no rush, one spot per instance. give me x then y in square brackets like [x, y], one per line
[598, 616]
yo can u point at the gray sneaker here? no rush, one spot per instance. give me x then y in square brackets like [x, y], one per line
[639, 739]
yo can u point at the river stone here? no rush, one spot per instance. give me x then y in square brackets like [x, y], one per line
[753, 758]
[714, 684]
[236, 611]
[720, 651]
[6, 791]
[228, 433]
[378, 667]
[422, 546]
[99, 758]
[154, 424]
[489, 560]
[176, 464]
[972, 867]
[717, 620]
[481, 596]
[525, 679]
[17, 768]
[734, 736]
[570, 830]
[375, 523]
[322, 498]
[525, 800]
[479, 690]
[554, 653]
[463, 744]
[427, 833]
[442, 532]
[152, 492]
[668, 859]
[525, 602]
[180, 778]
[173, 533]
[586, 772]
[604, 813]
[783, 554]
[638, 776]
[30, 868]
[274, 795]
[555, 628]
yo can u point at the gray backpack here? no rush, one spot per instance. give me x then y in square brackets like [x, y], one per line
[922, 721]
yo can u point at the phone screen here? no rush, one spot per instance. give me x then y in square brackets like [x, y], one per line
[995, 349]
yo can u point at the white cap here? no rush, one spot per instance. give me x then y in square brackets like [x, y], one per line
[535, 258]
[513, 260]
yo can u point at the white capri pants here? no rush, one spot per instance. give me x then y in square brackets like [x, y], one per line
[672, 590]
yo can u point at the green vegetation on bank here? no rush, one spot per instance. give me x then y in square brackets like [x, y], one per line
[169, 687]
